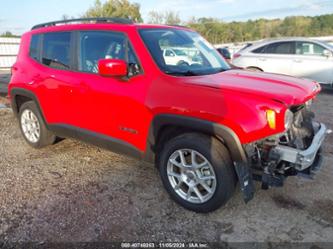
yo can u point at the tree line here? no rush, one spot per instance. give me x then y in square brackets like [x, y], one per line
[8, 34]
[216, 30]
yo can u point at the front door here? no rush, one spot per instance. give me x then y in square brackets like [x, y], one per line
[107, 105]
[311, 63]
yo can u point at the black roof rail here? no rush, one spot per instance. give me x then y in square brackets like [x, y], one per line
[97, 20]
[178, 25]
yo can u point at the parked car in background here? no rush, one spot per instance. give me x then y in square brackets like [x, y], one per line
[174, 56]
[225, 53]
[300, 57]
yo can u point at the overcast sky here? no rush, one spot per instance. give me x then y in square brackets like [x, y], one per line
[19, 16]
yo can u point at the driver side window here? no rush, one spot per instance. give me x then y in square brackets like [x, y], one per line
[97, 45]
[309, 48]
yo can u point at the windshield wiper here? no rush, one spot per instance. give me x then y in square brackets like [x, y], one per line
[183, 73]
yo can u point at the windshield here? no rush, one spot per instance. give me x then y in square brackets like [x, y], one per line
[182, 52]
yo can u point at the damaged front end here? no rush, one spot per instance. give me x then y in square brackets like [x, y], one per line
[295, 152]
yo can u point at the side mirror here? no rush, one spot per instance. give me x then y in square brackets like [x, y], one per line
[327, 53]
[112, 68]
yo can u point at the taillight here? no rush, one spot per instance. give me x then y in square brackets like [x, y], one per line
[236, 56]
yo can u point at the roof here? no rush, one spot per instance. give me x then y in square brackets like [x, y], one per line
[86, 20]
[288, 39]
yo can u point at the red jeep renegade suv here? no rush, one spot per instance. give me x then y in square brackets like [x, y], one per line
[163, 94]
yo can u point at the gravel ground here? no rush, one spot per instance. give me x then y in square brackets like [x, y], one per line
[74, 192]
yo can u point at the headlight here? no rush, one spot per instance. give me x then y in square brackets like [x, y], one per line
[288, 119]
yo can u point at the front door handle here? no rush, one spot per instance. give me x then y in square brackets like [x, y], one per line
[262, 59]
[297, 60]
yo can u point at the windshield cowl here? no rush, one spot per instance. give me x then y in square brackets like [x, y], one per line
[195, 73]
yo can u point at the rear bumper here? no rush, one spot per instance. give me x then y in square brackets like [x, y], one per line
[303, 159]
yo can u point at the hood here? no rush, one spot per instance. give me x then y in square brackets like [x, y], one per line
[281, 88]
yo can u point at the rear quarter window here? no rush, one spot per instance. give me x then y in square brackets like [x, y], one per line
[280, 48]
[259, 50]
[34, 51]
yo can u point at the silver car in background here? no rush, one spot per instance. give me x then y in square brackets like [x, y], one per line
[299, 57]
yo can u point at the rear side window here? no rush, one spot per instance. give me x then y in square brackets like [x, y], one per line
[56, 50]
[280, 48]
[276, 48]
[34, 51]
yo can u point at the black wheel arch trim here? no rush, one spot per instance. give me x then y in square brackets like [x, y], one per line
[228, 136]
[14, 92]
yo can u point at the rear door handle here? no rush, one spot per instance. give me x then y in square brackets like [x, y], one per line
[297, 60]
[262, 59]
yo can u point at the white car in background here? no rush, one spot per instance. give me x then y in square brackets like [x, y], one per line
[299, 57]
[175, 57]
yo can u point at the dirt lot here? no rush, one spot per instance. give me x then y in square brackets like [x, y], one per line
[76, 192]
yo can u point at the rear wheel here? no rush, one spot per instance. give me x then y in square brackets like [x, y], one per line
[197, 172]
[33, 126]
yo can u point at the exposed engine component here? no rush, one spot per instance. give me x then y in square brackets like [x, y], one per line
[267, 165]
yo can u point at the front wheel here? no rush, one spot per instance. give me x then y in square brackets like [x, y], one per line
[197, 172]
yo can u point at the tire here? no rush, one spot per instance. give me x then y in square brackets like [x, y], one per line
[220, 167]
[33, 127]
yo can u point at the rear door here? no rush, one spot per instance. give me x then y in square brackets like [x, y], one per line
[310, 62]
[54, 76]
[276, 57]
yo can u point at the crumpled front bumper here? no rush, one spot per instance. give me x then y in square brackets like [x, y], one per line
[303, 159]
